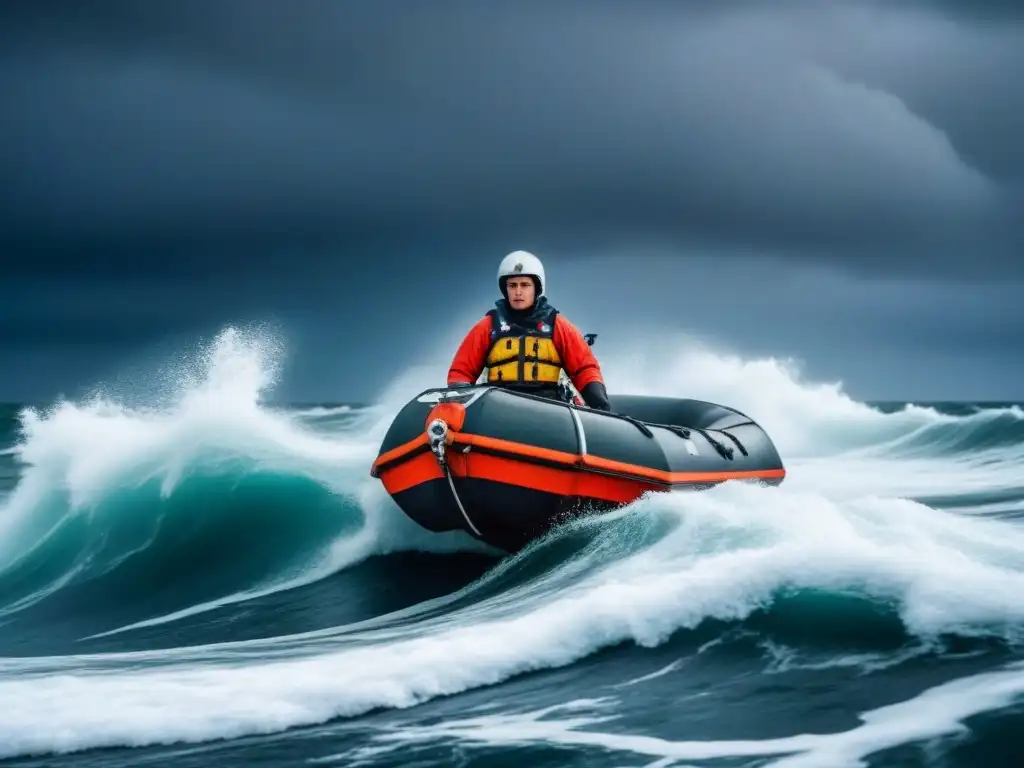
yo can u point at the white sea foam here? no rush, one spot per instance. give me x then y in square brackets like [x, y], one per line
[835, 525]
[726, 553]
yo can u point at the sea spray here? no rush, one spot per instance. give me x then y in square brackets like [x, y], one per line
[753, 560]
[98, 471]
[735, 550]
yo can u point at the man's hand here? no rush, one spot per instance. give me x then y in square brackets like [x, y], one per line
[596, 396]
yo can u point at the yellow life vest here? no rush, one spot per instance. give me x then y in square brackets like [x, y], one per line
[523, 354]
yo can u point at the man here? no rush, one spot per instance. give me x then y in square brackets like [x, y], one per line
[525, 343]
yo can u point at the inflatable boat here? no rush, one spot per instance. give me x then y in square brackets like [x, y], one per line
[506, 466]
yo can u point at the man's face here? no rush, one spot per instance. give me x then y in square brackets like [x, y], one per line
[520, 292]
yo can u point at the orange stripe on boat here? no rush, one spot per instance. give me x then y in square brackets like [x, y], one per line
[398, 452]
[520, 449]
[566, 459]
[564, 481]
[609, 465]
[661, 476]
[420, 469]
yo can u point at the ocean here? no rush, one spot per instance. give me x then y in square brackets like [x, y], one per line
[212, 578]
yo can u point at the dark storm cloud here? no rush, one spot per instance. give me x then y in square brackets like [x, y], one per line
[57, 313]
[184, 131]
[884, 337]
[170, 168]
[977, 10]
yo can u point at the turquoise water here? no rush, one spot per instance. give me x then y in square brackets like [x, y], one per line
[218, 579]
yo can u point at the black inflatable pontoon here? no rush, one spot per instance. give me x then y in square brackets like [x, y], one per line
[506, 466]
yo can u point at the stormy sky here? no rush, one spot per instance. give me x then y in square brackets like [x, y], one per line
[840, 182]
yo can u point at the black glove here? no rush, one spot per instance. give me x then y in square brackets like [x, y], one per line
[596, 396]
[460, 384]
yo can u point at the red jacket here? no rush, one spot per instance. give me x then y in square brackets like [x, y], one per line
[578, 360]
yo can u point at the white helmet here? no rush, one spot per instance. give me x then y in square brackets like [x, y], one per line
[521, 263]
